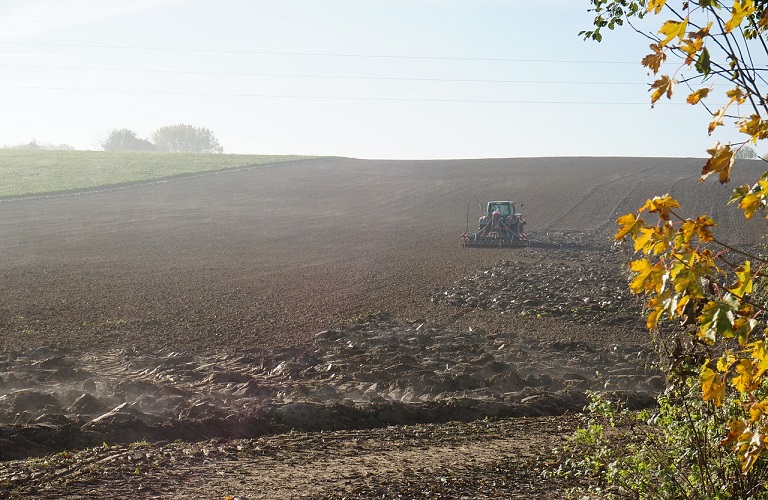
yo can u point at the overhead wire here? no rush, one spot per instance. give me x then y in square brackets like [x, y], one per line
[330, 77]
[308, 76]
[310, 54]
[340, 98]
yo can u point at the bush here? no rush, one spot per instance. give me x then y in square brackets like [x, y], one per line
[186, 139]
[672, 452]
[125, 140]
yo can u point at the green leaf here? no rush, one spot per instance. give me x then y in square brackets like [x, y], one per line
[717, 318]
[703, 65]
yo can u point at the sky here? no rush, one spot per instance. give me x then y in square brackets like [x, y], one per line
[390, 79]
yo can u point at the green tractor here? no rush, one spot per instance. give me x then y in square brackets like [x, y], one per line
[500, 226]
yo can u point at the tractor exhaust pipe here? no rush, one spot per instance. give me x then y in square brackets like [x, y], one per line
[467, 232]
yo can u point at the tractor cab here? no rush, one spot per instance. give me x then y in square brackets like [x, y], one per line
[505, 208]
[504, 211]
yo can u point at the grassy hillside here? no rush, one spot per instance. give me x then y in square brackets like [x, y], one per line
[26, 172]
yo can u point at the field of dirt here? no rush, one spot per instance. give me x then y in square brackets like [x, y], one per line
[316, 329]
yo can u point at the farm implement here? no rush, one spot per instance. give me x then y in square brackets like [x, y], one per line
[500, 226]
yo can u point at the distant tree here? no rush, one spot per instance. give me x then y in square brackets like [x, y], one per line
[126, 140]
[745, 153]
[33, 144]
[186, 139]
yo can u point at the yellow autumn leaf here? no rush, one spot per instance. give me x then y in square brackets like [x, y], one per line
[661, 205]
[702, 228]
[642, 268]
[757, 410]
[698, 95]
[699, 227]
[689, 272]
[644, 240]
[664, 85]
[654, 61]
[648, 276]
[720, 161]
[655, 6]
[740, 10]
[629, 224]
[744, 282]
[703, 31]
[760, 350]
[743, 327]
[691, 47]
[725, 361]
[683, 276]
[760, 354]
[712, 385]
[717, 119]
[653, 318]
[671, 29]
[706, 258]
[750, 203]
[682, 303]
[736, 430]
[754, 126]
[662, 238]
[736, 95]
[654, 308]
[743, 381]
[750, 124]
[751, 450]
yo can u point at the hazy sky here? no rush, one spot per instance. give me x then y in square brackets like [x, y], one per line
[360, 78]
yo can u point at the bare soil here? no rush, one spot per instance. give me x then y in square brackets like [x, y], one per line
[316, 329]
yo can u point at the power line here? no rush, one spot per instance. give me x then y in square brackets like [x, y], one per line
[338, 98]
[312, 54]
[330, 77]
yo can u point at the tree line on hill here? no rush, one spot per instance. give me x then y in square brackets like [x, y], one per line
[34, 145]
[180, 138]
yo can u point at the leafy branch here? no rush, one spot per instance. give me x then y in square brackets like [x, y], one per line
[676, 271]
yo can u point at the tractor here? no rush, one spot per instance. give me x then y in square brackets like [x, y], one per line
[500, 226]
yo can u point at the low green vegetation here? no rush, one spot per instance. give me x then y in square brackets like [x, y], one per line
[27, 172]
[673, 451]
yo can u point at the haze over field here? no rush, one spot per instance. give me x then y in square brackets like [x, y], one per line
[370, 79]
[191, 309]
[281, 252]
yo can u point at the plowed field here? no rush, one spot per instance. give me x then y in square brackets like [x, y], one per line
[190, 309]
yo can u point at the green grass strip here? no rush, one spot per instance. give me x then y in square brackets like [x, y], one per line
[29, 172]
